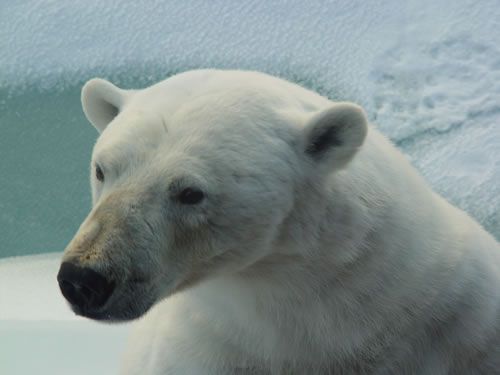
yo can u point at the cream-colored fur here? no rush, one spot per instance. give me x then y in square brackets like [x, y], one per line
[317, 248]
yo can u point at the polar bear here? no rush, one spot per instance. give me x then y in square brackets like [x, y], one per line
[282, 233]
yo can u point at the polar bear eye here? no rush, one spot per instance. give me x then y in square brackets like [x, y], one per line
[99, 174]
[191, 196]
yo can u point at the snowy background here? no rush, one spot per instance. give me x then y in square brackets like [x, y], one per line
[427, 73]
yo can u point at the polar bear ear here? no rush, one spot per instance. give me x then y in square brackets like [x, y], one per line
[101, 102]
[333, 136]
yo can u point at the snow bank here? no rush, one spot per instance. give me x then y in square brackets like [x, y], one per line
[29, 290]
[59, 348]
[40, 335]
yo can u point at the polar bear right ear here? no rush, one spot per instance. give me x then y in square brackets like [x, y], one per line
[332, 137]
[101, 102]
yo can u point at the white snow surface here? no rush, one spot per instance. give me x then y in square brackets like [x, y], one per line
[29, 289]
[38, 332]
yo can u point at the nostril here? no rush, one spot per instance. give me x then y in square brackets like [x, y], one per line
[68, 290]
[87, 293]
[84, 287]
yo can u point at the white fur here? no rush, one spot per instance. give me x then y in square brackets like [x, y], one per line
[344, 262]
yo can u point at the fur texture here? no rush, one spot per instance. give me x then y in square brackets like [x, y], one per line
[316, 248]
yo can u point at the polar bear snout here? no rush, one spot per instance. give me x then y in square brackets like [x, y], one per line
[85, 289]
[104, 274]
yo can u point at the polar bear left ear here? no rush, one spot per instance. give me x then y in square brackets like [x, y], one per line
[333, 136]
[102, 101]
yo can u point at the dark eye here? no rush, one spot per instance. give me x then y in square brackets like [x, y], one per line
[99, 174]
[191, 196]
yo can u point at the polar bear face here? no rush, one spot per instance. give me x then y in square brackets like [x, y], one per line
[195, 177]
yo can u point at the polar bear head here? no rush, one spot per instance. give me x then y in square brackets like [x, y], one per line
[202, 175]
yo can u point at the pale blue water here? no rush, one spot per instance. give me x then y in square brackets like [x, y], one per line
[44, 146]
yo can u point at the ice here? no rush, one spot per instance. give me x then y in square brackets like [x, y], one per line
[59, 348]
[440, 102]
[58, 43]
[40, 335]
[29, 291]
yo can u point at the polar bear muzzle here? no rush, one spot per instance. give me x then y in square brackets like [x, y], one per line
[103, 271]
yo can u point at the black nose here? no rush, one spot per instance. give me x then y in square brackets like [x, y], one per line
[83, 287]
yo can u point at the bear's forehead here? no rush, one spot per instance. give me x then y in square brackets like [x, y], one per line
[233, 113]
[220, 111]
[217, 91]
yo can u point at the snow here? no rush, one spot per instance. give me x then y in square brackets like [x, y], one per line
[427, 72]
[29, 291]
[59, 348]
[40, 335]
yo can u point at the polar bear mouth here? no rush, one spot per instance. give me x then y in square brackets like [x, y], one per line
[124, 304]
[132, 300]
[107, 295]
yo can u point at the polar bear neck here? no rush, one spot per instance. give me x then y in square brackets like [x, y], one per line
[354, 279]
